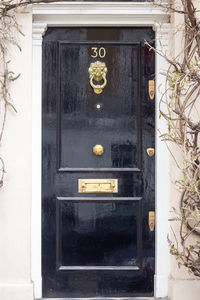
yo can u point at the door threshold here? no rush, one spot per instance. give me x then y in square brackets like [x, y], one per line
[105, 298]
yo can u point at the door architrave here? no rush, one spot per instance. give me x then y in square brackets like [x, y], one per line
[77, 14]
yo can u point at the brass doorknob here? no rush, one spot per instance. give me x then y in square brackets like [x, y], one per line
[150, 151]
[98, 149]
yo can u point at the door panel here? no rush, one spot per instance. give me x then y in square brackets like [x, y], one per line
[81, 120]
[104, 232]
[97, 244]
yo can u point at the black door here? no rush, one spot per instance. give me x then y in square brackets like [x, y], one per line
[96, 238]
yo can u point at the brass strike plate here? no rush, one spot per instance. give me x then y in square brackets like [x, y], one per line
[98, 185]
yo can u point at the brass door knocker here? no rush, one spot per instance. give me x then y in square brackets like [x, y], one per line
[98, 71]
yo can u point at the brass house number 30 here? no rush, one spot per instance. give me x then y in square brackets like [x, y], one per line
[98, 52]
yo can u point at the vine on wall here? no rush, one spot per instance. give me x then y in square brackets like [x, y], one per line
[8, 28]
[180, 98]
[181, 101]
[9, 31]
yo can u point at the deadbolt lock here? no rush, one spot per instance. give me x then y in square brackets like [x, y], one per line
[150, 151]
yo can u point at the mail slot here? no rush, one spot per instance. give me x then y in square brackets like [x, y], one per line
[98, 185]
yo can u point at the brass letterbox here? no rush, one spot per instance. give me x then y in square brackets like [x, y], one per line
[98, 185]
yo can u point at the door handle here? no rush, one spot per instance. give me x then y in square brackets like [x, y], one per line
[98, 149]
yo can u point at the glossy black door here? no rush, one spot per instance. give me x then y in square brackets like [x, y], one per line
[97, 244]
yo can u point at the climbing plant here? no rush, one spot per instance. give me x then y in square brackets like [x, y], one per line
[179, 105]
[9, 32]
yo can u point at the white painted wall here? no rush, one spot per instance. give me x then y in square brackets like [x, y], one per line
[182, 284]
[15, 196]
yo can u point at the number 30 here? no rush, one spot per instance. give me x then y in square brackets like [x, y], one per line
[101, 52]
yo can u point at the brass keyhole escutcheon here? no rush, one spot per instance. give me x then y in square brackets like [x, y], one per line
[150, 151]
[151, 220]
[151, 89]
[98, 149]
[97, 72]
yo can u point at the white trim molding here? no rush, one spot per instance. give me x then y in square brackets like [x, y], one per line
[122, 14]
[162, 171]
[99, 13]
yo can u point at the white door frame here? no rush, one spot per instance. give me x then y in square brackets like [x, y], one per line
[101, 14]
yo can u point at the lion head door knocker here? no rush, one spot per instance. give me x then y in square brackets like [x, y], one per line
[98, 71]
